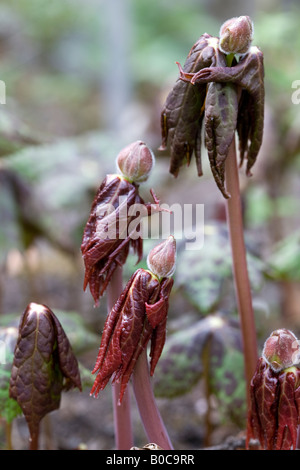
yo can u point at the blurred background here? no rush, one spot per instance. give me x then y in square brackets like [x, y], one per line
[83, 79]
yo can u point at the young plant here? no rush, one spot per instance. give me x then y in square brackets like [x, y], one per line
[112, 227]
[44, 365]
[274, 414]
[221, 85]
[139, 316]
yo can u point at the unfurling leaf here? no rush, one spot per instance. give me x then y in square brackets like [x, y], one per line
[139, 315]
[114, 222]
[273, 417]
[44, 365]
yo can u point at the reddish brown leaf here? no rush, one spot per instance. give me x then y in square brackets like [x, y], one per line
[183, 111]
[44, 364]
[274, 414]
[226, 98]
[286, 438]
[139, 315]
[107, 235]
[249, 75]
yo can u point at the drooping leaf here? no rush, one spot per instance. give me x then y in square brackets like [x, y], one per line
[182, 113]
[111, 229]
[106, 241]
[248, 74]
[221, 111]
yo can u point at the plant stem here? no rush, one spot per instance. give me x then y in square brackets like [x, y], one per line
[34, 439]
[8, 433]
[298, 438]
[122, 415]
[151, 418]
[240, 271]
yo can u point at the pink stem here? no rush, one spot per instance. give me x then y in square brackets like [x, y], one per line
[122, 415]
[240, 271]
[151, 418]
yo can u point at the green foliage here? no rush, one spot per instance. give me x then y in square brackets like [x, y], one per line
[284, 261]
[164, 35]
[277, 34]
[209, 350]
[226, 375]
[202, 278]
[261, 208]
[180, 366]
[9, 408]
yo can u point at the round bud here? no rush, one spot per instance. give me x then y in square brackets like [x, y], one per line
[136, 161]
[281, 350]
[236, 35]
[162, 258]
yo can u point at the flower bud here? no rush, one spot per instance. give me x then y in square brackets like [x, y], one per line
[135, 162]
[162, 258]
[236, 35]
[281, 350]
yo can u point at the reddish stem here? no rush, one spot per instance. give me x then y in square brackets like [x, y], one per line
[240, 271]
[34, 439]
[150, 415]
[122, 415]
